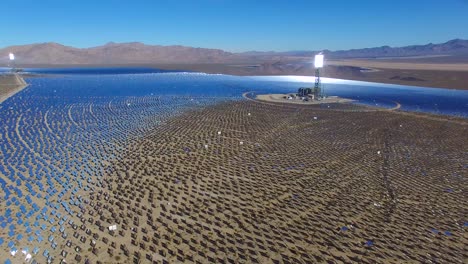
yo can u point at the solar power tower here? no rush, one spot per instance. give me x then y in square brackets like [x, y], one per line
[318, 90]
[11, 63]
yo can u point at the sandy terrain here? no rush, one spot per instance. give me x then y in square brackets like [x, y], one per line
[427, 74]
[395, 64]
[454, 76]
[425, 78]
[278, 186]
[254, 182]
[10, 84]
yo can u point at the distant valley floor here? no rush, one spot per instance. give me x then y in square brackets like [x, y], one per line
[452, 77]
[414, 72]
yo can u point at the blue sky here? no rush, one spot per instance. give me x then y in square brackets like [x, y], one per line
[235, 25]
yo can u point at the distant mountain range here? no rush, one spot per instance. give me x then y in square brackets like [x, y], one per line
[452, 47]
[139, 53]
[112, 53]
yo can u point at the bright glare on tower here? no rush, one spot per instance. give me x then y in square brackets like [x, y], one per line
[12, 56]
[318, 61]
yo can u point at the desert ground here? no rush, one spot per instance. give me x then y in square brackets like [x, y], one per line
[265, 182]
[415, 73]
[9, 85]
[253, 182]
[438, 72]
[402, 65]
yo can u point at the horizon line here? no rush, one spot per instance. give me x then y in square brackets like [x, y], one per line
[224, 50]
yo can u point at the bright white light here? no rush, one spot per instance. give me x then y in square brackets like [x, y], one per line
[318, 61]
[12, 56]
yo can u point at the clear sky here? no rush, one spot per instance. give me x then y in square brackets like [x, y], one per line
[235, 25]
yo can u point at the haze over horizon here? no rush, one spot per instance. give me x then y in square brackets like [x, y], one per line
[236, 26]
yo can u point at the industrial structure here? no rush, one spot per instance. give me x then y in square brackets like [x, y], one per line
[316, 93]
[11, 63]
